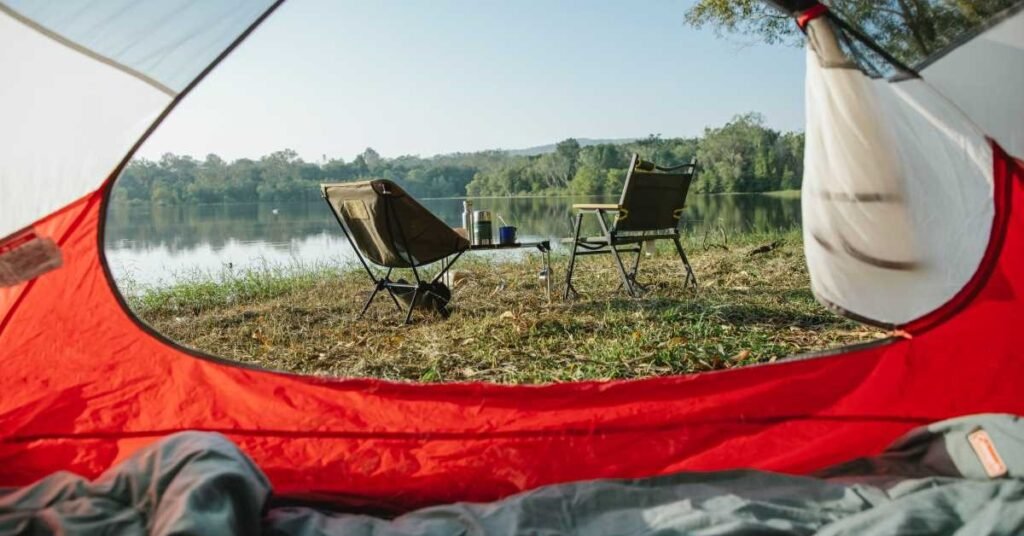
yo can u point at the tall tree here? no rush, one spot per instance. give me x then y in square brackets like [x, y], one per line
[371, 157]
[910, 30]
[565, 158]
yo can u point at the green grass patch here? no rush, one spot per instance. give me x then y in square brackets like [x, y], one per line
[750, 308]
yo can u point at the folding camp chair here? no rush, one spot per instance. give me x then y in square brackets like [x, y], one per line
[652, 202]
[389, 228]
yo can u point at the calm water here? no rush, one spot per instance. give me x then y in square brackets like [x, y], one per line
[155, 245]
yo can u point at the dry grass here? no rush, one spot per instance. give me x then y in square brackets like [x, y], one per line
[749, 309]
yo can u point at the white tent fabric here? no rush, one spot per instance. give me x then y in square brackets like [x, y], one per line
[68, 119]
[984, 76]
[890, 233]
[167, 41]
[84, 79]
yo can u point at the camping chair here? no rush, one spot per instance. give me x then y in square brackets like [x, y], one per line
[651, 205]
[389, 228]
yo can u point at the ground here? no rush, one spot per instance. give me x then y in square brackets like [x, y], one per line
[749, 308]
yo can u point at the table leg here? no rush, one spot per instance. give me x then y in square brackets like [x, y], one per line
[547, 271]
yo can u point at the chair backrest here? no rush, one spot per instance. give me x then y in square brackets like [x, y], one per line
[388, 226]
[653, 197]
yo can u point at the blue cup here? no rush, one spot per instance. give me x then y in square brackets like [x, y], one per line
[506, 235]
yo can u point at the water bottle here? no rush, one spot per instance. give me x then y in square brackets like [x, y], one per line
[467, 219]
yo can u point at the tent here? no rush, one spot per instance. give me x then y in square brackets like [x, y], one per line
[914, 218]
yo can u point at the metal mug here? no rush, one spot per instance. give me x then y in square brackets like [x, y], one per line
[506, 235]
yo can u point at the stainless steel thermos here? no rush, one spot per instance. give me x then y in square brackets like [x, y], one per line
[482, 232]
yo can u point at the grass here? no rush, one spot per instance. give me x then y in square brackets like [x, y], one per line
[749, 309]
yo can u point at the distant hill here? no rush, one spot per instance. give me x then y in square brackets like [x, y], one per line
[550, 148]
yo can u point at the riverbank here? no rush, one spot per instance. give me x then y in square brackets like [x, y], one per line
[751, 308]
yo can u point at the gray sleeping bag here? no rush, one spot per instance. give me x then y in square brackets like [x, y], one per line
[947, 478]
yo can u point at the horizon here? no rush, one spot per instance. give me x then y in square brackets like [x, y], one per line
[458, 77]
[512, 151]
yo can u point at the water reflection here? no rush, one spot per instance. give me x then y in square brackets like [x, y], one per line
[154, 245]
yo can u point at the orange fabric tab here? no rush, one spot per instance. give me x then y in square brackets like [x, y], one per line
[987, 453]
[27, 256]
[811, 14]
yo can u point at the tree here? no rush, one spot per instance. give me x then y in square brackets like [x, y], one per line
[910, 30]
[748, 17]
[614, 179]
[371, 158]
[789, 150]
[564, 160]
[586, 182]
[745, 156]
[602, 156]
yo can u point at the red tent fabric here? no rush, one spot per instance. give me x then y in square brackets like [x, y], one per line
[85, 384]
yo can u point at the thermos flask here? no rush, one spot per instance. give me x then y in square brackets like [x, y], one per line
[482, 234]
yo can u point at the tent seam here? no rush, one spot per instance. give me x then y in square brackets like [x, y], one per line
[85, 51]
[478, 435]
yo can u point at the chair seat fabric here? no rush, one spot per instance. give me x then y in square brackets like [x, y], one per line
[389, 227]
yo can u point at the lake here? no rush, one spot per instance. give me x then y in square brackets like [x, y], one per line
[157, 245]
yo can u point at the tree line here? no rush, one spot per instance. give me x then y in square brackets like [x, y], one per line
[741, 156]
[909, 30]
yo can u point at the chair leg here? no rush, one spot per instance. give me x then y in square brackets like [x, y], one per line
[387, 279]
[630, 290]
[412, 305]
[691, 278]
[572, 258]
[394, 299]
[618, 258]
[369, 300]
[443, 310]
[636, 267]
[445, 266]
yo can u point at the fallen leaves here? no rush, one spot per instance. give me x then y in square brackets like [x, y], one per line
[741, 356]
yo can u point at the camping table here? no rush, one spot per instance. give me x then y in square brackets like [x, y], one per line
[543, 246]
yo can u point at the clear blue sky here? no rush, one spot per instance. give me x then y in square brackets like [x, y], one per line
[328, 77]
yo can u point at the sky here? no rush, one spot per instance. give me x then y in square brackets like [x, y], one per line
[329, 78]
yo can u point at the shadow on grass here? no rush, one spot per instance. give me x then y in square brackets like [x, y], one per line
[770, 310]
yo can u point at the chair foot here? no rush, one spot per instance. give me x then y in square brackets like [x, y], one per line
[412, 305]
[636, 284]
[570, 292]
[691, 281]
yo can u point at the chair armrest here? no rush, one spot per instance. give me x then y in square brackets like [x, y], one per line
[596, 206]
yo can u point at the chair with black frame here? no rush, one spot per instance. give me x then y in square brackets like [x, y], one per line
[389, 228]
[651, 205]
